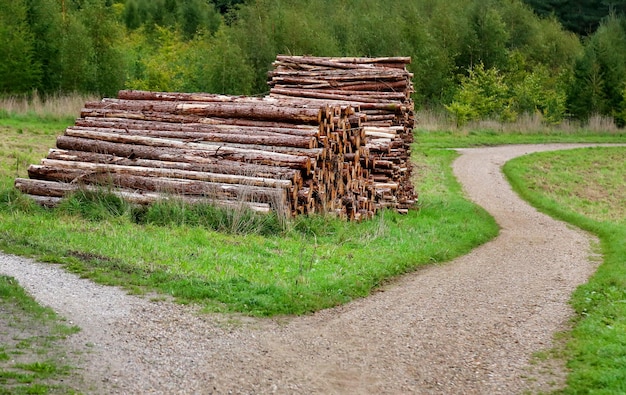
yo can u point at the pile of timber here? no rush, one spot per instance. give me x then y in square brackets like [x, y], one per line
[267, 153]
[334, 135]
[379, 89]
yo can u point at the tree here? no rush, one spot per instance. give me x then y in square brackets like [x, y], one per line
[483, 94]
[196, 15]
[582, 17]
[104, 32]
[218, 65]
[224, 6]
[19, 71]
[45, 22]
[600, 73]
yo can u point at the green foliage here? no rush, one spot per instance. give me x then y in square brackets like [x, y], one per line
[580, 16]
[48, 48]
[539, 92]
[101, 46]
[600, 73]
[208, 63]
[190, 17]
[159, 60]
[492, 36]
[492, 94]
[620, 113]
[482, 94]
[104, 33]
[45, 21]
[217, 64]
[19, 71]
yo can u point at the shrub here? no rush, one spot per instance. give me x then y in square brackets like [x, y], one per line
[483, 94]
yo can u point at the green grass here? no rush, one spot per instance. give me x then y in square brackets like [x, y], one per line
[318, 262]
[26, 140]
[587, 187]
[491, 137]
[303, 266]
[32, 360]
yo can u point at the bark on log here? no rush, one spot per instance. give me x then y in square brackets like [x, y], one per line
[313, 83]
[172, 156]
[311, 93]
[246, 110]
[223, 137]
[51, 192]
[205, 150]
[403, 60]
[262, 129]
[165, 185]
[167, 173]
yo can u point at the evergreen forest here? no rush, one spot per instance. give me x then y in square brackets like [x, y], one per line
[495, 59]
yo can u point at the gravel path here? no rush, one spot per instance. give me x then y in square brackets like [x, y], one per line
[467, 327]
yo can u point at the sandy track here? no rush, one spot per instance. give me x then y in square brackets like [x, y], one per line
[467, 327]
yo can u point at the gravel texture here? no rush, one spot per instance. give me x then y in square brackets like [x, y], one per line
[469, 326]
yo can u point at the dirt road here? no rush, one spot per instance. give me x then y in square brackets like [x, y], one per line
[467, 327]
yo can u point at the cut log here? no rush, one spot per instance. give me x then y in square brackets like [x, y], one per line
[50, 193]
[262, 129]
[169, 173]
[161, 184]
[282, 140]
[247, 110]
[171, 155]
[185, 163]
[204, 150]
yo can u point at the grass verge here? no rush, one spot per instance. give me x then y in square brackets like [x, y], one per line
[492, 137]
[587, 188]
[32, 358]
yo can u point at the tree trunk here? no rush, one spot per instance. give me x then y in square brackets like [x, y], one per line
[198, 149]
[274, 139]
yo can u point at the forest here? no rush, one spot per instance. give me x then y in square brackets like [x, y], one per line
[478, 59]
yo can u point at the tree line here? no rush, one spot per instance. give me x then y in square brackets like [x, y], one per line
[478, 58]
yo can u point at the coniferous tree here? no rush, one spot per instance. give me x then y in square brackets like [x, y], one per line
[600, 73]
[582, 17]
[45, 19]
[19, 71]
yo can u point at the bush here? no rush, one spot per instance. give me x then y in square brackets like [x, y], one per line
[483, 94]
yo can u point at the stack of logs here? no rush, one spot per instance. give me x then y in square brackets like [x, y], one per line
[269, 154]
[333, 136]
[380, 89]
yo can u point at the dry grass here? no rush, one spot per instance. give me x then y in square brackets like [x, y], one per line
[58, 105]
[439, 120]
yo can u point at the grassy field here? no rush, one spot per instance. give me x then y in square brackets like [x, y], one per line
[306, 264]
[587, 187]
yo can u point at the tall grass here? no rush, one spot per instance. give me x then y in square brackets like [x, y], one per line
[56, 106]
[433, 120]
[434, 130]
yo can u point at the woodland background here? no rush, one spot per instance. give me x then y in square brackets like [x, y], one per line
[479, 59]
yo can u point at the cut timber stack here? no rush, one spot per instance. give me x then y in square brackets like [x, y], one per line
[377, 88]
[269, 154]
[333, 136]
